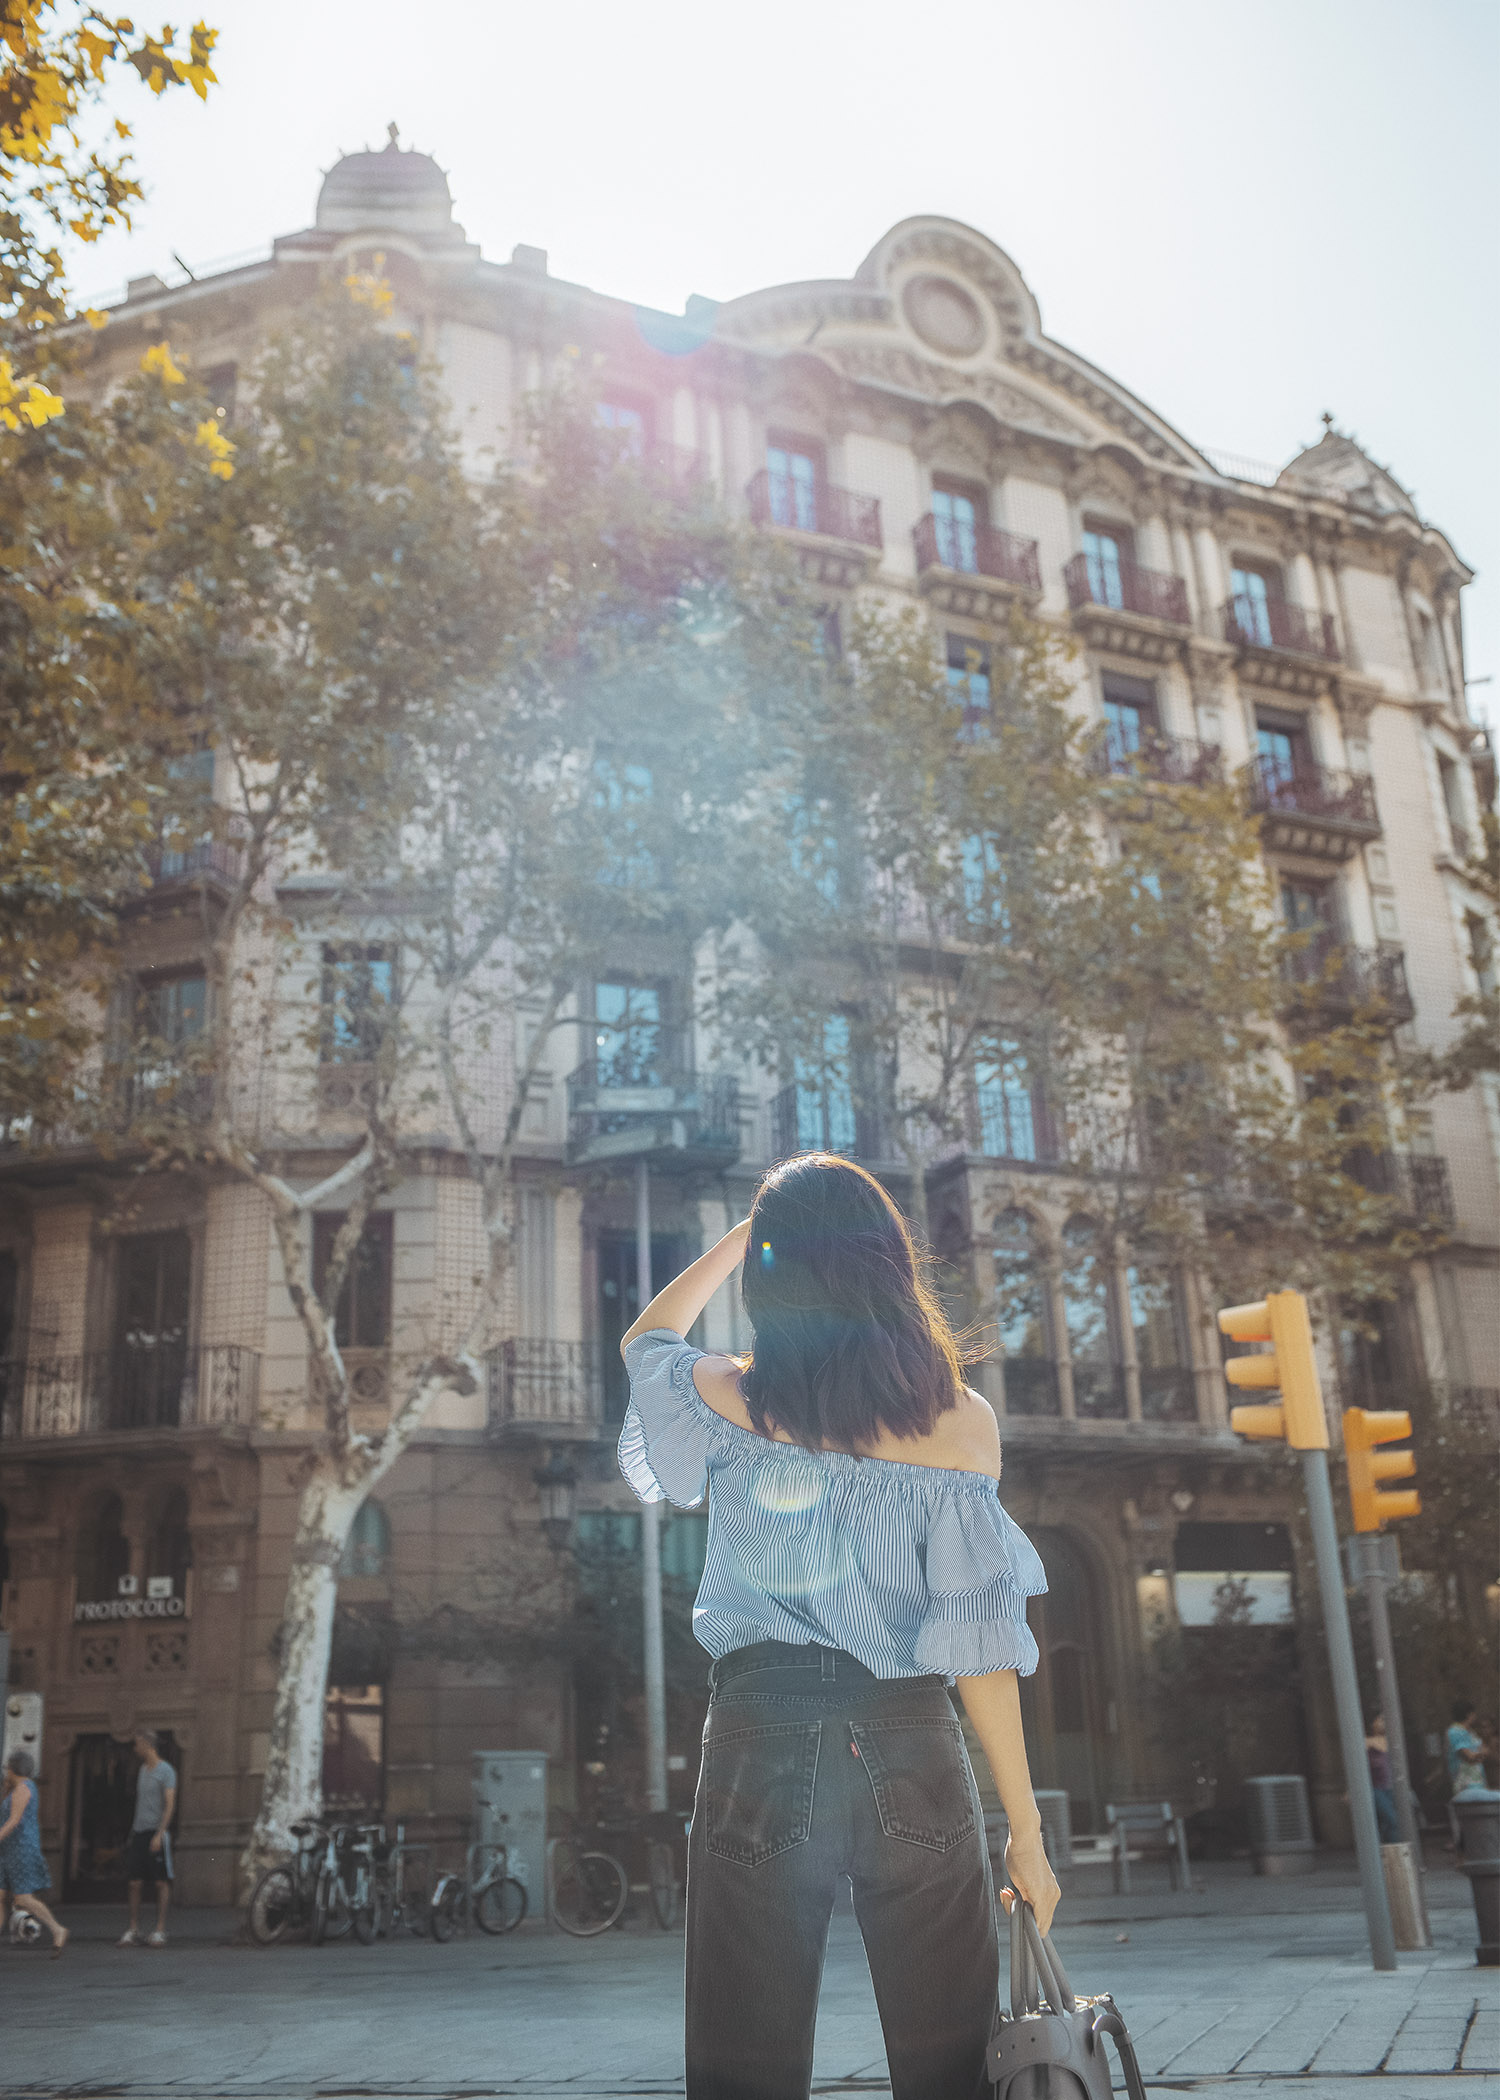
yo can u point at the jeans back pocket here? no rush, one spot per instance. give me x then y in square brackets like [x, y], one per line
[758, 1789]
[919, 1771]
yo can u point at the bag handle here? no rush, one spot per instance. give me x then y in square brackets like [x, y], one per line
[1034, 1960]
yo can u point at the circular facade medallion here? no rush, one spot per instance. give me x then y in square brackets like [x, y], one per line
[944, 315]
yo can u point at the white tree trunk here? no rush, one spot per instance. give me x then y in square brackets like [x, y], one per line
[293, 1786]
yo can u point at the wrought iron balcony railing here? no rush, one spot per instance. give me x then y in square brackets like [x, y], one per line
[220, 859]
[543, 1386]
[977, 550]
[1320, 792]
[1126, 587]
[1270, 623]
[815, 507]
[812, 1118]
[141, 1386]
[1418, 1182]
[1330, 973]
[1178, 761]
[617, 1110]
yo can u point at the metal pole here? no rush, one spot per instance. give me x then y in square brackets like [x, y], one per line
[1376, 1555]
[1346, 1700]
[656, 1676]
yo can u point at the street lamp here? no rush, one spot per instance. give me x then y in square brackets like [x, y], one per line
[557, 1491]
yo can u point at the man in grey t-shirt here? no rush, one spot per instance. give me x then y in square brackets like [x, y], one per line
[148, 1856]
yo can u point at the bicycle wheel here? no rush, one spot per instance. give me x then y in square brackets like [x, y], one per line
[322, 1900]
[364, 1909]
[273, 1906]
[447, 1908]
[589, 1890]
[331, 1918]
[663, 1871]
[501, 1905]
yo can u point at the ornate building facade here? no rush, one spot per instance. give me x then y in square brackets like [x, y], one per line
[914, 432]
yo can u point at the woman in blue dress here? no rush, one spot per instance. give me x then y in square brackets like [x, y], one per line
[23, 1870]
[859, 1563]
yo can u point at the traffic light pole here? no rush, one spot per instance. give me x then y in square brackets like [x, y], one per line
[651, 1629]
[1374, 1555]
[1346, 1700]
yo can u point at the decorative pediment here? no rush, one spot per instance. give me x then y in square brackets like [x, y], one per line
[888, 364]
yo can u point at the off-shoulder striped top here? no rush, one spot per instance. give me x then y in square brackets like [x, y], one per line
[912, 1569]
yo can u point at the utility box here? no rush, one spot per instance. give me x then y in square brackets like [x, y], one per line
[510, 1808]
[1281, 1832]
[23, 1726]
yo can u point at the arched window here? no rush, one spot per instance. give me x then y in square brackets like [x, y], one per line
[1097, 1387]
[1160, 1342]
[169, 1552]
[367, 1550]
[1021, 1316]
[103, 1552]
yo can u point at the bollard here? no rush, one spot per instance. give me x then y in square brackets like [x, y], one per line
[1404, 1894]
[1478, 1812]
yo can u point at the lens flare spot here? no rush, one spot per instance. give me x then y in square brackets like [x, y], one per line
[789, 1493]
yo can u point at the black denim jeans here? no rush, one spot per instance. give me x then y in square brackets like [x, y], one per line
[815, 1769]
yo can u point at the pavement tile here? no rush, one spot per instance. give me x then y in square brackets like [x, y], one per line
[1431, 2041]
[1362, 2038]
[1482, 2049]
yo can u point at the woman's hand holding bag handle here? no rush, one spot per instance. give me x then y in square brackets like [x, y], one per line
[1051, 2044]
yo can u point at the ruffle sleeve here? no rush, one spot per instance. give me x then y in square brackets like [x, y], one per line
[981, 1568]
[668, 1431]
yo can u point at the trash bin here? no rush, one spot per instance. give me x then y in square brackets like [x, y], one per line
[1478, 1812]
[1281, 1832]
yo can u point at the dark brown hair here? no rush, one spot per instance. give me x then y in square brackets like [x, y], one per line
[850, 1339]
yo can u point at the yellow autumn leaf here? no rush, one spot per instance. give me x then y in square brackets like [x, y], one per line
[159, 359]
[95, 318]
[41, 405]
[213, 440]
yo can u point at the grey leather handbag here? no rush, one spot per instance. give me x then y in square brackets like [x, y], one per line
[1050, 2046]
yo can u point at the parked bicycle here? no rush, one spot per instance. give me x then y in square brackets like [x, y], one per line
[588, 1886]
[284, 1897]
[486, 1893]
[397, 1896]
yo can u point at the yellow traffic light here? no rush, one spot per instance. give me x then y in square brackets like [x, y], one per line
[1290, 1366]
[1372, 1504]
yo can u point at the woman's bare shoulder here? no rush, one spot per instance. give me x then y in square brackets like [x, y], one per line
[970, 1433]
[717, 1381]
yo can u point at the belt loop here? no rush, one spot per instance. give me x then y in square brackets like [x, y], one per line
[830, 1667]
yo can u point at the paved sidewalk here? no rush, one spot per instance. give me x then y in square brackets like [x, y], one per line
[1253, 1988]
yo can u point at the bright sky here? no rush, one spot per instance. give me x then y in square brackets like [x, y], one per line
[1247, 213]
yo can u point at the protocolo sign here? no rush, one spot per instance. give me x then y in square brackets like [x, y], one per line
[158, 1603]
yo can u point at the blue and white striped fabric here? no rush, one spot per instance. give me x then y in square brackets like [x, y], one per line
[911, 1569]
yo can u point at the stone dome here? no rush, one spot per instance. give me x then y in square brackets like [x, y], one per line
[396, 189]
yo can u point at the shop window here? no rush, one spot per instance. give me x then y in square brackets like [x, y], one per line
[354, 1750]
[358, 995]
[1233, 1575]
[102, 1554]
[169, 1547]
[367, 1550]
[1097, 1389]
[362, 1316]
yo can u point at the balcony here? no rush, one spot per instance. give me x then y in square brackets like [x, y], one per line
[1417, 1182]
[1315, 810]
[105, 1392]
[212, 866]
[1175, 761]
[1127, 609]
[976, 571]
[543, 1388]
[678, 1120]
[1282, 646]
[1333, 977]
[836, 532]
[810, 1118]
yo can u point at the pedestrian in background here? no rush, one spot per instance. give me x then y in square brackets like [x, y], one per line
[23, 1870]
[148, 1856]
[1378, 1751]
[859, 1562]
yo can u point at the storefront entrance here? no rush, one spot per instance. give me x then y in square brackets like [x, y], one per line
[101, 1809]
